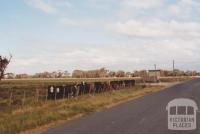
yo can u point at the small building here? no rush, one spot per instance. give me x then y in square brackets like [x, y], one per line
[153, 76]
[154, 73]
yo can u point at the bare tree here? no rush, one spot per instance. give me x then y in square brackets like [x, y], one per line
[4, 61]
[111, 74]
[120, 73]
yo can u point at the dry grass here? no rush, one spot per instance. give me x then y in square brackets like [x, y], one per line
[50, 112]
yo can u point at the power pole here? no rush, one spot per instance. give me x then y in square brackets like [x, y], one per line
[155, 66]
[173, 68]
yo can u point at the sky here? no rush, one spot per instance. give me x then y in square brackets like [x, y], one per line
[50, 35]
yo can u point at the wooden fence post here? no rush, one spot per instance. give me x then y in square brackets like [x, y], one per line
[24, 98]
[64, 93]
[55, 94]
[10, 101]
[46, 94]
[37, 95]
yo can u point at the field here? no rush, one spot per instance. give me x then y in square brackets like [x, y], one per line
[18, 92]
[24, 105]
[33, 116]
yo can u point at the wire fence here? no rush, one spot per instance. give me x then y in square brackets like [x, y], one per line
[15, 98]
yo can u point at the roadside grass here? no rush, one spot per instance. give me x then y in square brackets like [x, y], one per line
[47, 113]
[175, 79]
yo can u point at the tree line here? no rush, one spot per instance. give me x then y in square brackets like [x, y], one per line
[97, 73]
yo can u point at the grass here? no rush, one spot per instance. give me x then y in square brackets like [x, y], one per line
[176, 79]
[34, 116]
[18, 86]
[44, 113]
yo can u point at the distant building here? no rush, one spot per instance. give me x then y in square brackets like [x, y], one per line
[154, 73]
[153, 76]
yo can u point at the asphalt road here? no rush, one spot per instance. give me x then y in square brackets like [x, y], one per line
[145, 115]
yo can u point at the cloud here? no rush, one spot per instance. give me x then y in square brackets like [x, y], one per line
[156, 35]
[141, 4]
[75, 23]
[86, 23]
[157, 28]
[184, 8]
[128, 56]
[42, 5]
[175, 10]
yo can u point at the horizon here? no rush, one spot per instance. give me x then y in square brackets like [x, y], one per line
[133, 71]
[49, 35]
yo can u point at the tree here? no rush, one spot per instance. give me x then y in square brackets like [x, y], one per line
[120, 73]
[111, 74]
[4, 61]
[78, 74]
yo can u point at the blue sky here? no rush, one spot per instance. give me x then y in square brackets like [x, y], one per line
[47, 35]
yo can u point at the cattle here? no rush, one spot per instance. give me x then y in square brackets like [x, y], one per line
[51, 92]
[69, 90]
[55, 92]
[92, 88]
[114, 85]
[129, 83]
[83, 88]
[98, 87]
[78, 89]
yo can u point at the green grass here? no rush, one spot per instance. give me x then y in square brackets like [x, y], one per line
[33, 116]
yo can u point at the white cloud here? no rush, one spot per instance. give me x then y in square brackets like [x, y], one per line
[42, 5]
[75, 23]
[141, 4]
[157, 28]
[184, 8]
[152, 41]
[86, 23]
[127, 56]
[175, 10]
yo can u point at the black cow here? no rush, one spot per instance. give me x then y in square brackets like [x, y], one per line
[55, 92]
[51, 92]
[98, 87]
[68, 90]
[77, 89]
[83, 88]
[129, 83]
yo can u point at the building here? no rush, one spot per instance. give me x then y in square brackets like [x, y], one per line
[153, 76]
[154, 73]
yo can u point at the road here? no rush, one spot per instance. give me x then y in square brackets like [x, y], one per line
[145, 115]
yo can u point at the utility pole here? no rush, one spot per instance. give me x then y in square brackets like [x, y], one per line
[173, 67]
[155, 77]
[155, 66]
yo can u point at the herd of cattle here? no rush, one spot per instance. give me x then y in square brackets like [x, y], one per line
[77, 89]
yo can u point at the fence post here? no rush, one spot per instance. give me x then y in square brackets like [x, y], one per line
[10, 101]
[24, 98]
[46, 94]
[37, 95]
[64, 93]
[55, 94]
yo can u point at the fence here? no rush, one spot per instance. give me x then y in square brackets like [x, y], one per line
[16, 98]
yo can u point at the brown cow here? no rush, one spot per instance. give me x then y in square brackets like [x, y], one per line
[91, 88]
